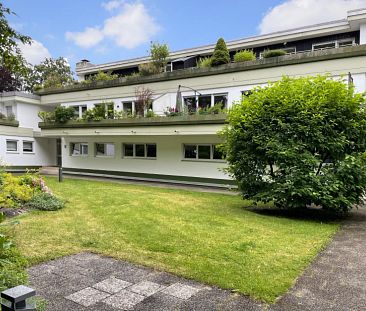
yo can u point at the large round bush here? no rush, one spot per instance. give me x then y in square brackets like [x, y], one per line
[298, 142]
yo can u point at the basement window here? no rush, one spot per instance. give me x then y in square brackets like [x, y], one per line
[27, 146]
[104, 149]
[208, 152]
[78, 149]
[11, 145]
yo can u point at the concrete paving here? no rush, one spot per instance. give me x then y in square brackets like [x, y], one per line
[335, 281]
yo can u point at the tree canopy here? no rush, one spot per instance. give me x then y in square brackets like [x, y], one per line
[299, 141]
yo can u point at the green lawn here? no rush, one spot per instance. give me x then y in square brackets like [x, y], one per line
[211, 238]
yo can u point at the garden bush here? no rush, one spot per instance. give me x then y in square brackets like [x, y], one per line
[97, 113]
[244, 55]
[221, 53]
[204, 62]
[63, 114]
[273, 53]
[300, 142]
[45, 202]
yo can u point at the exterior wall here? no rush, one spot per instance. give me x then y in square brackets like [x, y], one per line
[169, 160]
[363, 33]
[44, 152]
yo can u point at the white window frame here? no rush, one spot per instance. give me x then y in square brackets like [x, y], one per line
[82, 154]
[134, 151]
[104, 155]
[212, 98]
[127, 102]
[29, 142]
[336, 43]
[198, 159]
[17, 146]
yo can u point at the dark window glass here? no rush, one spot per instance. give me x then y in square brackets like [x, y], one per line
[127, 107]
[76, 111]
[83, 109]
[110, 111]
[217, 153]
[128, 150]
[190, 151]
[100, 149]
[190, 104]
[204, 152]
[220, 99]
[151, 150]
[204, 102]
[140, 150]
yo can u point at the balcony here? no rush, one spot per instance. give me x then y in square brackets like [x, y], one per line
[322, 54]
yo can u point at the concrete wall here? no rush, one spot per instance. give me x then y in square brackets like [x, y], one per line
[169, 160]
[44, 152]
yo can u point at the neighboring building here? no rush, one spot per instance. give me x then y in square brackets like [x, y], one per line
[183, 149]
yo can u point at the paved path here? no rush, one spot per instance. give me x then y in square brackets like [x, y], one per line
[335, 281]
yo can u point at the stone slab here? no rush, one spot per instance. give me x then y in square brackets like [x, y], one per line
[88, 296]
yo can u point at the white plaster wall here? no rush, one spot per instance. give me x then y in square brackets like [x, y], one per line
[44, 152]
[363, 34]
[169, 159]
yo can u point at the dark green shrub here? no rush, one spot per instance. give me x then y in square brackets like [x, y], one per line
[63, 114]
[299, 142]
[46, 202]
[273, 53]
[221, 53]
[244, 55]
[97, 113]
[148, 69]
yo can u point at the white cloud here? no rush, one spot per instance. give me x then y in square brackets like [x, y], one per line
[131, 27]
[112, 5]
[87, 38]
[34, 53]
[297, 13]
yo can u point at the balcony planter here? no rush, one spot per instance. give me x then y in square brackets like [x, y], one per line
[154, 121]
[13, 123]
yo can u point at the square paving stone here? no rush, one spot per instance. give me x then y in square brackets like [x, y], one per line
[87, 296]
[112, 285]
[124, 300]
[181, 291]
[146, 288]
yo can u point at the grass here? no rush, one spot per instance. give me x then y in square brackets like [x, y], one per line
[208, 237]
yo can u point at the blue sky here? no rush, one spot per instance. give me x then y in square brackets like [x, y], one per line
[106, 31]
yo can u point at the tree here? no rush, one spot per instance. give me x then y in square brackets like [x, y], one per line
[12, 63]
[143, 100]
[8, 81]
[221, 53]
[51, 73]
[159, 54]
[299, 141]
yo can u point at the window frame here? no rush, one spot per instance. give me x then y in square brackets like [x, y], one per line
[32, 144]
[212, 103]
[104, 155]
[81, 153]
[145, 157]
[17, 145]
[211, 159]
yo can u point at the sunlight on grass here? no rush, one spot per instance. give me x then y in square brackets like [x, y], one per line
[208, 237]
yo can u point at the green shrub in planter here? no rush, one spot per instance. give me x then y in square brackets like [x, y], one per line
[244, 55]
[64, 114]
[204, 62]
[273, 53]
[221, 54]
[46, 202]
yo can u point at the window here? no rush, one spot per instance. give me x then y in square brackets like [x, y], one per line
[12, 145]
[127, 107]
[324, 45]
[104, 149]
[139, 150]
[334, 44]
[110, 110]
[346, 42]
[27, 146]
[221, 99]
[77, 149]
[202, 152]
[79, 110]
[246, 93]
[191, 103]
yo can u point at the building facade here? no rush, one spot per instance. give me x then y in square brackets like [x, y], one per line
[183, 148]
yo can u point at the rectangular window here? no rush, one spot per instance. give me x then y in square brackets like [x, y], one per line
[324, 45]
[12, 145]
[110, 111]
[246, 93]
[202, 152]
[127, 108]
[139, 151]
[104, 149]
[190, 104]
[204, 101]
[221, 99]
[346, 42]
[27, 146]
[77, 149]
[83, 110]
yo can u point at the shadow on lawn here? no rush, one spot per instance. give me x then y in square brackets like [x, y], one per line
[312, 214]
